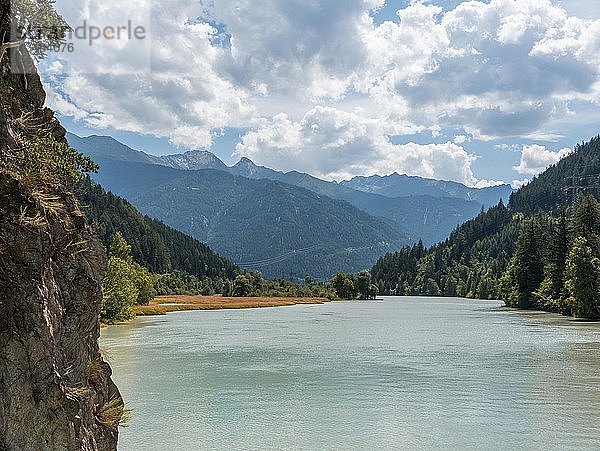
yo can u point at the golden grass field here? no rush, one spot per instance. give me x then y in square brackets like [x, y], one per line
[164, 304]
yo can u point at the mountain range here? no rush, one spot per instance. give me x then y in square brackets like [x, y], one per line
[285, 223]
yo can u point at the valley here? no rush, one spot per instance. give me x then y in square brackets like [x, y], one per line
[283, 224]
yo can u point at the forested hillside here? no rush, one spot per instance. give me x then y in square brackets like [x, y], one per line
[430, 216]
[556, 187]
[530, 253]
[157, 247]
[268, 226]
[469, 263]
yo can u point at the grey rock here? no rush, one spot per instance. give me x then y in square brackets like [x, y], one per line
[53, 381]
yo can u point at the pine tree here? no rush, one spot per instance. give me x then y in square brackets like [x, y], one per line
[551, 293]
[583, 280]
[557, 256]
[528, 268]
[586, 222]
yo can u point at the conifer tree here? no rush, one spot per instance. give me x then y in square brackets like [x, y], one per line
[583, 279]
[551, 293]
[557, 256]
[586, 222]
[528, 268]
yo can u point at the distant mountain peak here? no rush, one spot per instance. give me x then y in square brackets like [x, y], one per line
[193, 160]
[245, 161]
[247, 168]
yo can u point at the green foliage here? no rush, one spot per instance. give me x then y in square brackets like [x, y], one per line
[345, 286]
[39, 24]
[144, 282]
[363, 284]
[558, 248]
[527, 266]
[182, 283]
[242, 286]
[546, 193]
[373, 291]
[281, 230]
[126, 283]
[586, 222]
[583, 279]
[253, 284]
[469, 263]
[43, 164]
[499, 255]
[364, 287]
[583, 262]
[120, 248]
[544, 262]
[119, 292]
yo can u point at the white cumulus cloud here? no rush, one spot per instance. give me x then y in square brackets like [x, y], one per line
[335, 144]
[536, 158]
[319, 84]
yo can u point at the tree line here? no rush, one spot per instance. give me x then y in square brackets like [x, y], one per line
[545, 262]
[469, 263]
[532, 254]
[128, 283]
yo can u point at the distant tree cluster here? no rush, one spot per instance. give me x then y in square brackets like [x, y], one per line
[351, 286]
[182, 283]
[253, 284]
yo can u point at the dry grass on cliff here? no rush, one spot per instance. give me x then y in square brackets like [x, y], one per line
[113, 414]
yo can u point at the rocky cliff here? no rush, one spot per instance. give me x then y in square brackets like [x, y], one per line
[55, 389]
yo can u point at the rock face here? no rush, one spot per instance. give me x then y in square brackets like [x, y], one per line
[55, 389]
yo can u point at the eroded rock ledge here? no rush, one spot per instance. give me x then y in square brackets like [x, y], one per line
[55, 389]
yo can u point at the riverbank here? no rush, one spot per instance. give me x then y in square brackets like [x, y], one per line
[162, 305]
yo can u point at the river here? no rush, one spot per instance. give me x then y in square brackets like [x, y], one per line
[400, 373]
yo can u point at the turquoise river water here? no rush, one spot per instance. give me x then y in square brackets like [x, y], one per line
[400, 373]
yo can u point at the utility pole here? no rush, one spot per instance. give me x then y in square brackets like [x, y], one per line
[576, 185]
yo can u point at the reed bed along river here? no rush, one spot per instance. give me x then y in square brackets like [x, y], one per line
[401, 373]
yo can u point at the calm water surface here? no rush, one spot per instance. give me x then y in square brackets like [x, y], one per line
[402, 373]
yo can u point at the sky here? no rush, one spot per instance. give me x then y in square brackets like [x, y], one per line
[479, 92]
